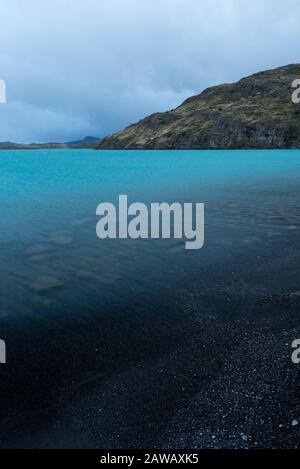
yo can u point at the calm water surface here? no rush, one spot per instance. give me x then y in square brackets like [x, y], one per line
[75, 308]
[48, 203]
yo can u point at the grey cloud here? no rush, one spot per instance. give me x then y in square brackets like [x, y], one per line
[93, 66]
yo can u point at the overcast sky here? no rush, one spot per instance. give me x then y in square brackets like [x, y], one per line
[89, 67]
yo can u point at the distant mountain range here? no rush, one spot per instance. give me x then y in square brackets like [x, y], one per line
[255, 112]
[87, 142]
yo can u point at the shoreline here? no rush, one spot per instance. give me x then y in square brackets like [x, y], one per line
[209, 361]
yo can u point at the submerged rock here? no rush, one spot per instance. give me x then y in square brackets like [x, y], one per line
[45, 283]
[61, 240]
[37, 249]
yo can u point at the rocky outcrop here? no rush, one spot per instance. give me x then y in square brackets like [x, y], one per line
[256, 112]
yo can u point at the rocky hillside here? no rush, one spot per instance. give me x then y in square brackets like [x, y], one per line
[255, 112]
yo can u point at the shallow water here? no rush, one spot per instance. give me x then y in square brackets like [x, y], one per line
[74, 307]
[48, 203]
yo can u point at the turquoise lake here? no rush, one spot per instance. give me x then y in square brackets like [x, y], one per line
[49, 200]
[79, 309]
